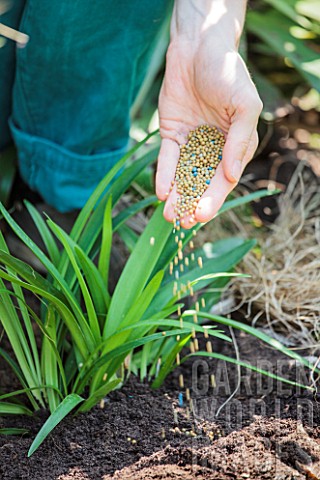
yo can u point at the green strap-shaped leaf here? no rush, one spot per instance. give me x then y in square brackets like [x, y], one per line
[69, 244]
[14, 409]
[46, 235]
[170, 249]
[219, 356]
[89, 367]
[128, 236]
[96, 285]
[82, 338]
[250, 197]
[26, 272]
[56, 275]
[168, 362]
[155, 65]
[298, 10]
[106, 243]
[138, 269]
[48, 357]
[222, 263]
[47, 336]
[139, 307]
[275, 30]
[146, 355]
[28, 390]
[89, 235]
[99, 394]
[49, 349]
[27, 337]
[132, 210]
[13, 328]
[18, 372]
[65, 407]
[256, 333]
[13, 431]
[85, 213]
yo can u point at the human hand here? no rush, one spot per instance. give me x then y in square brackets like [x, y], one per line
[206, 82]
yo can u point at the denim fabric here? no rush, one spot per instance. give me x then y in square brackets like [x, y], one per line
[11, 18]
[74, 84]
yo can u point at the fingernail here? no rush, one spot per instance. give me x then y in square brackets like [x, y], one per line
[236, 170]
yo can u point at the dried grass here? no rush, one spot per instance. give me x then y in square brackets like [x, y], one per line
[283, 292]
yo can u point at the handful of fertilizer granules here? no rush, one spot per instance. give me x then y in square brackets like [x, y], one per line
[198, 161]
[197, 164]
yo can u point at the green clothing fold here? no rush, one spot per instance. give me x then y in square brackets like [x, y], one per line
[68, 93]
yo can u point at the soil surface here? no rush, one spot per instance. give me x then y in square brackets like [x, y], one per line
[268, 430]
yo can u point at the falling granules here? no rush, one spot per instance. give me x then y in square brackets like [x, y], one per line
[199, 159]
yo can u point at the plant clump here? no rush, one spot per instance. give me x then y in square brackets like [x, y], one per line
[199, 159]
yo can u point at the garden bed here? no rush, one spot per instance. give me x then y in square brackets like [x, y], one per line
[269, 430]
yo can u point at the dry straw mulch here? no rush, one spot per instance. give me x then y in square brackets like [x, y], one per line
[283, 292]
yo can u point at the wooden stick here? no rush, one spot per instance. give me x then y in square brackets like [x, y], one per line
[8, 32]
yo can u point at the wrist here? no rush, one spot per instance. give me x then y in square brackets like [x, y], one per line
[195, 20]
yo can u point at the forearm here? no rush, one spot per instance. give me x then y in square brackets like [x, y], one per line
[206, 82]
[194, 19]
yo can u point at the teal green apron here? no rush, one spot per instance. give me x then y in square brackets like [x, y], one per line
[65, 98]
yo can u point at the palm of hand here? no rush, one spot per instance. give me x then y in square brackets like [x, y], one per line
[216, 91]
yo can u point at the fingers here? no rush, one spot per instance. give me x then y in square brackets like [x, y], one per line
[241, 140]
[214, 196]
[253, 144]
[167, 163]
[169, 208]
[220, 187]
[169, 212]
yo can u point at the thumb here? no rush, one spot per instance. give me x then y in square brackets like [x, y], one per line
[241, 143]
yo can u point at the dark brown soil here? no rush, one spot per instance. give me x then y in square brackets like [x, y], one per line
[269, 430]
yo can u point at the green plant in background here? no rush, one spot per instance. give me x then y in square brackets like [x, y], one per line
[280, 43]
[85, 333]
[282, 46]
